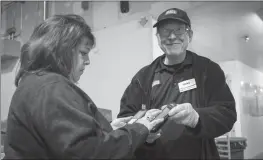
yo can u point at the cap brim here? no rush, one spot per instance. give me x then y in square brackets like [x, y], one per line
[178, 19]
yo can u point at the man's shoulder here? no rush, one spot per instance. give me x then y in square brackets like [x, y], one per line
[202, 60]
[148, 68]
[198, 57]
[206, 64]
[142, 70]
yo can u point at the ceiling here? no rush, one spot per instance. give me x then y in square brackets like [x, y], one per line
[229, 23]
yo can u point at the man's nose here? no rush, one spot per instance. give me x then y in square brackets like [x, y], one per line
[172, 36]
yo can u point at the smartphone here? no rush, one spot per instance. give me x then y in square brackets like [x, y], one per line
[163, 114]
[137, 116]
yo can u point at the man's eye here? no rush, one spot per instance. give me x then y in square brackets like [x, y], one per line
[83, 53]
[182, 29]
[165, 30]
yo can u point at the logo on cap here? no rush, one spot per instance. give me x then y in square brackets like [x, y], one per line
[171, 12]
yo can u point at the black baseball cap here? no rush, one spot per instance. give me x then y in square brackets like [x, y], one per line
[174, 13]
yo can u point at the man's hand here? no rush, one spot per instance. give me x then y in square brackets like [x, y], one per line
[120, 122]
[184, 114]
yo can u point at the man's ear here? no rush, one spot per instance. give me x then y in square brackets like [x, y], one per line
[160, 43]
[190, 33]
[158, 38]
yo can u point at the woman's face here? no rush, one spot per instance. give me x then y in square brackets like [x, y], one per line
[81, 59]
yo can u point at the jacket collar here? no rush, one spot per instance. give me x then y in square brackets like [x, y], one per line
[146, 77]
[187, 61]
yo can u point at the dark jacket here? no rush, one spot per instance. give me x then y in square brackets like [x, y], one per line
[216, 104]
[50, 117]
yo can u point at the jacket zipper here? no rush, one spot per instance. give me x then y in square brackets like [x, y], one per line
[203, 89]
[144, 96]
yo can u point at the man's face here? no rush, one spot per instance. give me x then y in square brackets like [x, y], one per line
[174, 37]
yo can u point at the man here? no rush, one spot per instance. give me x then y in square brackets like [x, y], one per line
[205, 105]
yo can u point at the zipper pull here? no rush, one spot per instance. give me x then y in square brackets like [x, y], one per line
[143, 107]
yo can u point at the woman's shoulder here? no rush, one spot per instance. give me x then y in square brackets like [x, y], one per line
[50, 88]
[47, 88]
[33, 85]
[40, 79]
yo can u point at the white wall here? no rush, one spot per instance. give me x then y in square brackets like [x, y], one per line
[116, 62]
[251, 126]
[246, 126]
[232, 70]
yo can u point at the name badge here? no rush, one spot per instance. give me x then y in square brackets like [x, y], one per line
[156, 82]
[187, 85]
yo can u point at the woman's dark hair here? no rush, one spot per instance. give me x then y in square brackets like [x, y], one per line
[51, 45]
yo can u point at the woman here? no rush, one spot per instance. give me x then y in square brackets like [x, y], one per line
[49, 116]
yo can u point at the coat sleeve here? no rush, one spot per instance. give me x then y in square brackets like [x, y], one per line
[70, 130]
[131, 102]
[219, 116]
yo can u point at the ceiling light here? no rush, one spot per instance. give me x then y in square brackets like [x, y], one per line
[246, 38]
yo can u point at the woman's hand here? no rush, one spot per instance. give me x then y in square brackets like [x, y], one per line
[120, 122]
[148, 119]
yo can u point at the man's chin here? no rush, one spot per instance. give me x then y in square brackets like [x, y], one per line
[174, 53]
